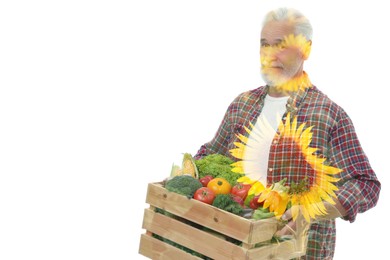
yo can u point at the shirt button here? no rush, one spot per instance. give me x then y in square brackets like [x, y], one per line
[275, 141]
[270, 169]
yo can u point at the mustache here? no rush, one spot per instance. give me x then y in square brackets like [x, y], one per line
[270, 63]
[272, 66]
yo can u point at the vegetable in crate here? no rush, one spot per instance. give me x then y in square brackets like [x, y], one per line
[187, 167]
[238, 199]
[184, 184]
[241, 190]
[219, 186]
[205, 180]
[226, 202]
[217, 165]
[253, 201]
[204, 195]
[262, 213]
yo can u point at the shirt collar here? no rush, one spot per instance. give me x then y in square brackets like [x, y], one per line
[295, 99]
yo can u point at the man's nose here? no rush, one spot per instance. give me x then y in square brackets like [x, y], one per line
[267, 59]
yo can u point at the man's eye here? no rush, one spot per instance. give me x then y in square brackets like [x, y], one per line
[265, 45]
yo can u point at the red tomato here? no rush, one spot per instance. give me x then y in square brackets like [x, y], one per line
[241, 190]
[205, 180]
[205, 195]
[254, 204]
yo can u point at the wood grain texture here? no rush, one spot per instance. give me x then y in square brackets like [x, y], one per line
[245, 230]
[206, 230]
[196, 239]
[158, 250]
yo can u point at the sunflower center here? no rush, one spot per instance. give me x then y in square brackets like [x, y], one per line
[291, 163]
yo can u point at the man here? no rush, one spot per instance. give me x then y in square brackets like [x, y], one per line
[329, 147]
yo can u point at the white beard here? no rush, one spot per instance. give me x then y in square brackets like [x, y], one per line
[267, 80]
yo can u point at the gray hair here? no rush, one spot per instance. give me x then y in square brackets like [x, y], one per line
[300, 22]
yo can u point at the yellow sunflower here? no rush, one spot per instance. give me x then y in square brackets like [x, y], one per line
[276, 198]
[311, 180]
[308, 192]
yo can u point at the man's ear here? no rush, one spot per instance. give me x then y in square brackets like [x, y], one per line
[307, 50]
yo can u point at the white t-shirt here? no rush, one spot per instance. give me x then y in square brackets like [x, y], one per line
[259, 141]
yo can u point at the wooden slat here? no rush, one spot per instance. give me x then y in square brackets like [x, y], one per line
[284, 250]
[193, 238]
[247, 231]
[158, 250]
[262, 230]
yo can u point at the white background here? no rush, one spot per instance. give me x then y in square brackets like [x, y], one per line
[98, 98]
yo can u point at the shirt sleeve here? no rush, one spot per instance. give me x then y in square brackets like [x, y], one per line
[221, 139]
[359, 187]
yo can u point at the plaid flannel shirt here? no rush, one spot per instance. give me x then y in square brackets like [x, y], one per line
[336, 140]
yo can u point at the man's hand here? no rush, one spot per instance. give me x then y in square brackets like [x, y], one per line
[290, 227]
[333, 211]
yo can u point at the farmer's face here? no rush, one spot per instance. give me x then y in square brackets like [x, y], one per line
[279, 64]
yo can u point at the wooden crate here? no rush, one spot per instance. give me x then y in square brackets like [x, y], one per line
[210, 244]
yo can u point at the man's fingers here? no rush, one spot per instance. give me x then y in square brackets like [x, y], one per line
[287, 215]
[288, 229]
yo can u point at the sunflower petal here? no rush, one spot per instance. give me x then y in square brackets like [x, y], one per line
[242, 138]
[238, 153]
[243, 179]
[257, 188]
[238, 170]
